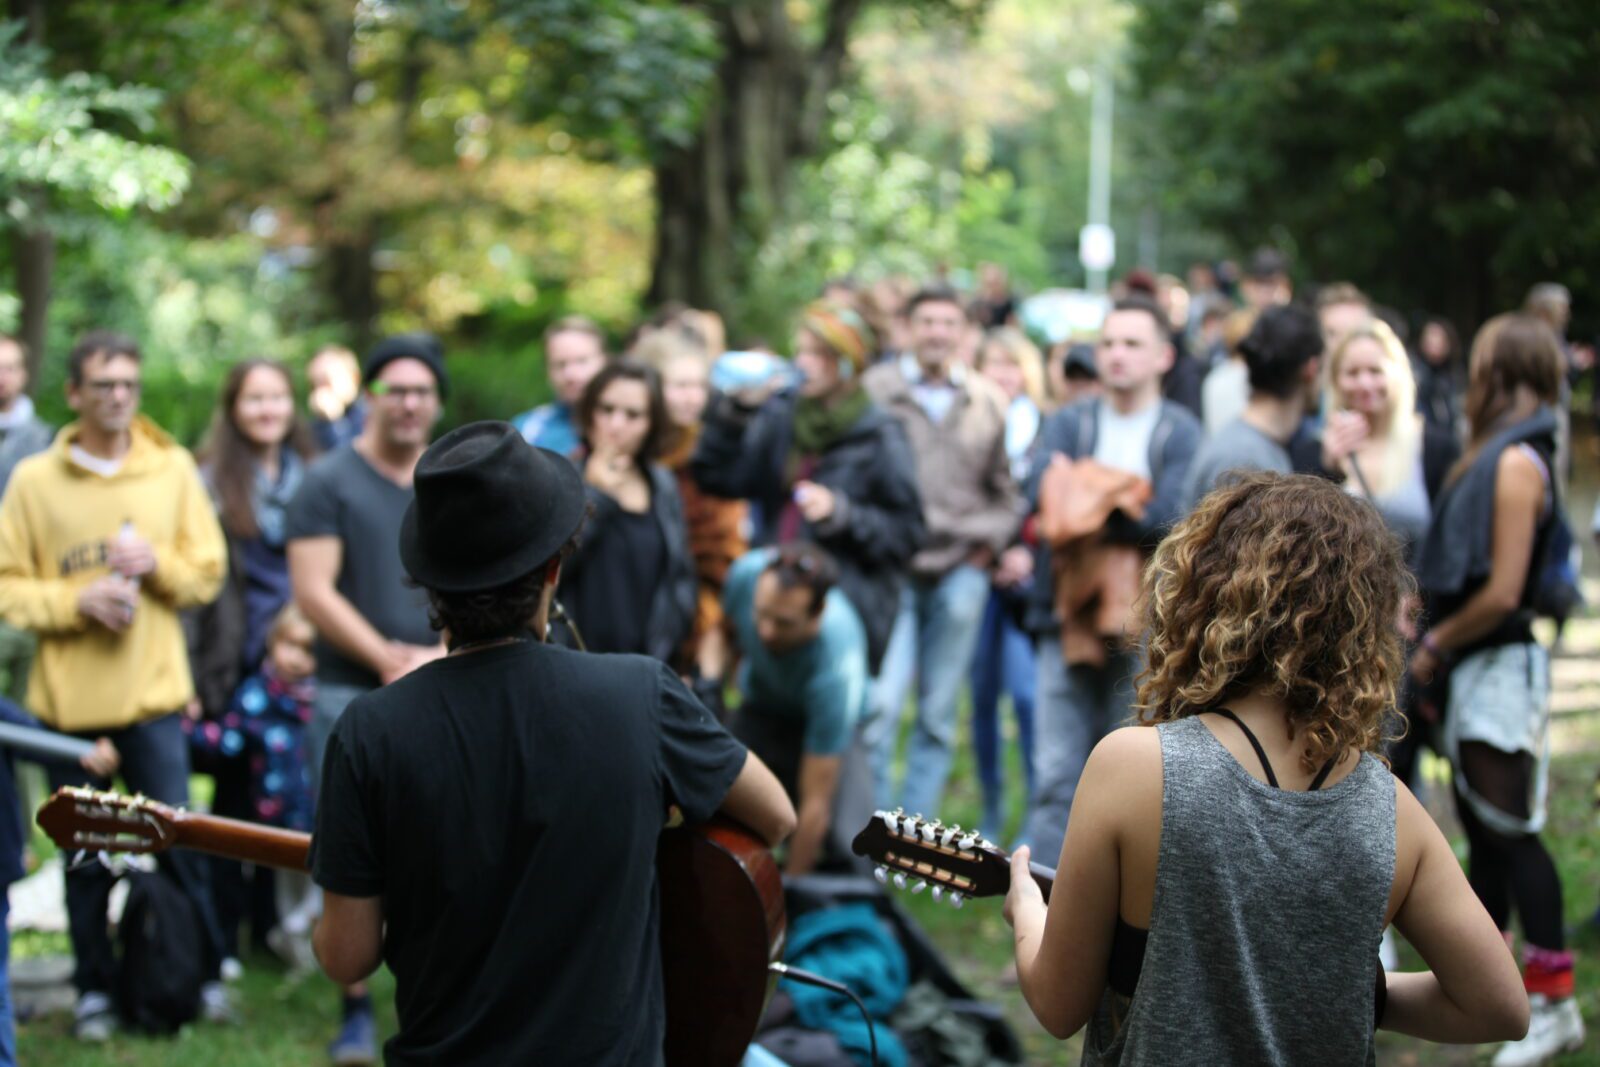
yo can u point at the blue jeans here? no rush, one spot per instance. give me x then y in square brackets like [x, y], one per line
[8, 1030]
[932, 641]
[326, 707]
[155, 762]
[1003, 663]
[1077, 706]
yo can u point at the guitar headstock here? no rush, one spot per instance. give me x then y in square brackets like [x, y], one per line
[85, 819]
[916, 853]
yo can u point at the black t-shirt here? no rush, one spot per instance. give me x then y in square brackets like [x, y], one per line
[506, 804]
[343, 496]
[609, 587]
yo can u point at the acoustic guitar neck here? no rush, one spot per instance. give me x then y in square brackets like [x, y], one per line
[246, 841]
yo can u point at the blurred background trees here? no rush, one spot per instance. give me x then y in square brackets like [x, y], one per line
[225, 177]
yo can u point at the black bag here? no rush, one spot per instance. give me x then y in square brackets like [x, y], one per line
[160, 957]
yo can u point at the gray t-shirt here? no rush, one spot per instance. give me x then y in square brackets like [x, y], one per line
[343, 496]
[1238, 446]
[1269, 906]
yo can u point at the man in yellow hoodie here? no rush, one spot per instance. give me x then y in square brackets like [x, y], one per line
[104, 538]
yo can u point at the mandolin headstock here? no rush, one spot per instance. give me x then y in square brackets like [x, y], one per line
[76, 818]
[917, 854]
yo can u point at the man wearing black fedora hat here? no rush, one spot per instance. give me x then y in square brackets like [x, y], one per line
[488, 822]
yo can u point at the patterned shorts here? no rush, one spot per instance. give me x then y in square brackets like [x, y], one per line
[1501, 697]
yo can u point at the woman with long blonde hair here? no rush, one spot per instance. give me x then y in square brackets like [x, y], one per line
[1231, 862]
[1374, 441]
[1003, 661]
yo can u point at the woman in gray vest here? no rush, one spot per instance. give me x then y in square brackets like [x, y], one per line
[1226, 875]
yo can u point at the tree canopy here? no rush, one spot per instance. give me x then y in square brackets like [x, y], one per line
[1443, 153]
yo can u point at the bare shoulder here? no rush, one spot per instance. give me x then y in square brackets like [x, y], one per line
[1127, 760]
[1517, 470]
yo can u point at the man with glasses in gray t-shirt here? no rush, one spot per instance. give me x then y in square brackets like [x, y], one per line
[343, 529]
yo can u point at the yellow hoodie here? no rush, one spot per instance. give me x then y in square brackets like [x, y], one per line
[57, 521]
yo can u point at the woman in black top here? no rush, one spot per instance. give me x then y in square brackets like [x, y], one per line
[1478, 569]
[630, 587]
[1440, 380]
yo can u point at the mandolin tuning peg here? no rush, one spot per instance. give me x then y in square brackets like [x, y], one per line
[899, 880]
[956, 900]
[918, 886]
[881, 873]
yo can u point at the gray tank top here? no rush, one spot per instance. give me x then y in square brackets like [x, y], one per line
[1264, 930]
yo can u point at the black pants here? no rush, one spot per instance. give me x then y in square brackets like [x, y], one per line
[1509, 871]
[779, 742]
[241, 891]
[155, 762]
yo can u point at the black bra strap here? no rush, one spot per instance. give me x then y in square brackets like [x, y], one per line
[1261, 753]
[1322, 775]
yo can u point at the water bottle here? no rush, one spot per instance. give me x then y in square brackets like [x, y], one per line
[736, 371]
[124, 534]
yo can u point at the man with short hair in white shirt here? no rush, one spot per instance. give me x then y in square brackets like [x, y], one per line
[1128, 427]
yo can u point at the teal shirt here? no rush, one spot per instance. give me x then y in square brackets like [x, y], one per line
[823, 683]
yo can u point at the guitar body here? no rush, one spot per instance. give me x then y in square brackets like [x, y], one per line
[722, 923]
[722, 915]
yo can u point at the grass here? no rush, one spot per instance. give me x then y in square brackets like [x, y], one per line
[290, 1020]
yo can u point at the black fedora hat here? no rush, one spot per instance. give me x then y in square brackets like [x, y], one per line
[489, 508]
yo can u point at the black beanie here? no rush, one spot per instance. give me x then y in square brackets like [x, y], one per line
[421, 346]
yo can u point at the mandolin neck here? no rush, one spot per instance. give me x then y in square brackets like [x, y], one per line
[247, 841]
[1045, 877]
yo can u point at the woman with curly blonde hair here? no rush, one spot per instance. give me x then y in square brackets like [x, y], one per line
[1227, 873]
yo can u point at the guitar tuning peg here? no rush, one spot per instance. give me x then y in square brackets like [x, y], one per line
[881, 873]
[956, 900]
[938, 892]
[918, 886]
[899, 880]
[890, 821]
[929, 833]
[949, 835]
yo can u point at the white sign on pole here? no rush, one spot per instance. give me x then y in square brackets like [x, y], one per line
[1097, 246]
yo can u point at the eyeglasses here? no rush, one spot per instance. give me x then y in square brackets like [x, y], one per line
[109, 386]
[402, 393]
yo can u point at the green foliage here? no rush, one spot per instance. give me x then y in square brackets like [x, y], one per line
[195, 306]
[58, 160]
[629, 76]
[1443, 154]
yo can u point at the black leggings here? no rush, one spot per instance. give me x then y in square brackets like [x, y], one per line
[1507, 870]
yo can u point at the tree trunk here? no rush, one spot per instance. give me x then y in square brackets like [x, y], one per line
[35, 250]
[718, 199]
[352, 283]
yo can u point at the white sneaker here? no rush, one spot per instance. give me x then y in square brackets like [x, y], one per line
[1554, 1027]
[94, 1018]
[216, 1006]
[293, 949]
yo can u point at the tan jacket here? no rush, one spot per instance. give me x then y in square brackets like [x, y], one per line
[57, 521]
[1096, 583]
[970, 502]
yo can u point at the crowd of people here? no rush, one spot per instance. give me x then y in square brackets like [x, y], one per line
[919, 502]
